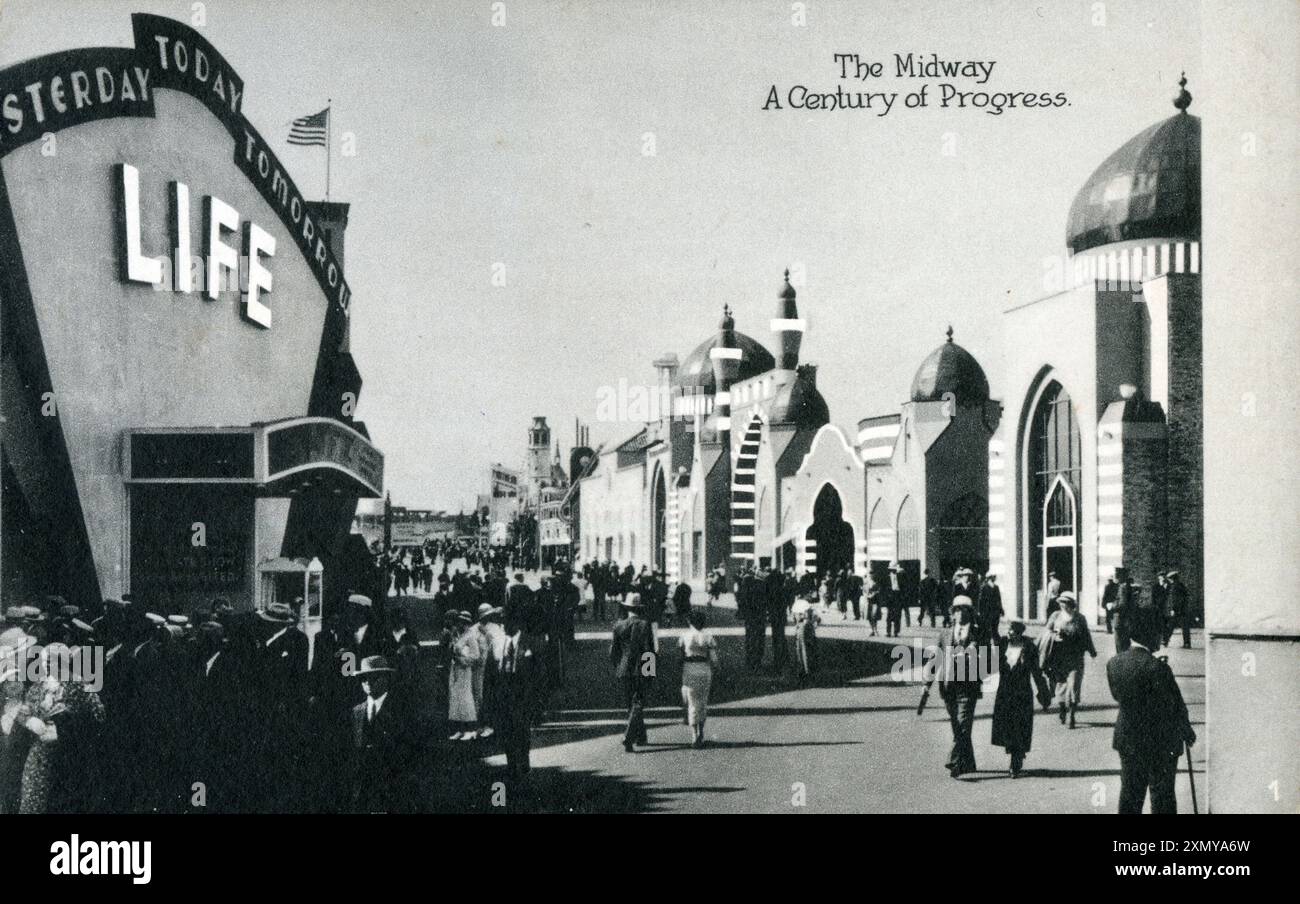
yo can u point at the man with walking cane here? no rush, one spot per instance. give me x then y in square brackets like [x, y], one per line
[1152, 729]
[957, 669]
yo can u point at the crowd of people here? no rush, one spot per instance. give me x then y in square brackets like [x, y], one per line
[237, 711]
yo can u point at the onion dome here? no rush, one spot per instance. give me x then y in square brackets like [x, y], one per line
[799, 402]
[696, 371]
[950, 369]
[1149, 188]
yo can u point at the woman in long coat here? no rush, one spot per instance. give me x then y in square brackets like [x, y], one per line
[466, 651]
[1062, 645]
[1013, 707]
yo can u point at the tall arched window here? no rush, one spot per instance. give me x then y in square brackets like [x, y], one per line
[1055, 479]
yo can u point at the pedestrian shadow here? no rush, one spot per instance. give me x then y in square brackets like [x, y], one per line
[744, 745]
[984, 775]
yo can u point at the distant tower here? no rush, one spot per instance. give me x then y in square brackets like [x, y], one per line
[787, 325]
[538, 464]
[726, 355]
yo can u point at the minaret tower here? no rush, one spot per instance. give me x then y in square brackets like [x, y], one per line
[725, 356]
[788, 326]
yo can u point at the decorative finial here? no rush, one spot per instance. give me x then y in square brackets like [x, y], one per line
[1184, 98]
[950, 332]
[787, 274]
[726, 310]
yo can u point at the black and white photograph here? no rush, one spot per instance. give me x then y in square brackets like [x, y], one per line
[574, 407]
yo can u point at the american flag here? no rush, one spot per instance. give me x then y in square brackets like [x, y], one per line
[310, 130]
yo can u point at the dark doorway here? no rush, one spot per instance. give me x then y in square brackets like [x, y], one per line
[831, 534]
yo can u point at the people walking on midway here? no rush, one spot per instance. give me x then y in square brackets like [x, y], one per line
[1109, 597]
[1180, 610]
[466, 651]
[806, 620]
[717, 584]
[699, 660]
[1062, 645]
[380, 740]
[633, 656]
[682, 602]
[989, 611]
[1126, 608]
[928, 596]
[875, 602]
[515, 680]
[894, 602]
[492, 639]
[960, 676]
[1152, 728]
[1019, 676]
[775, 612]
[1053, 593]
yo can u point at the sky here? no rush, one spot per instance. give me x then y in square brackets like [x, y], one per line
[543, 206]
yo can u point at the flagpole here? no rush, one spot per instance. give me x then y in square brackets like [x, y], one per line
[329, 144]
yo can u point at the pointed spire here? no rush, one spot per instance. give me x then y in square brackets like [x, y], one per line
[728, 322]
[1184, 98]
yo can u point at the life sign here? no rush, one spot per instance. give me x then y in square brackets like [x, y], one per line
[223, 262]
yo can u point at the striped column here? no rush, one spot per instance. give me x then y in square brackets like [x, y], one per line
[997, 507]
[1110, 504]
[673, 548]
[861, 558]
[807, 554]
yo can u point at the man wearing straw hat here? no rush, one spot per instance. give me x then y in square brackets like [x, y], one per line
[960, 676]
[633, 656]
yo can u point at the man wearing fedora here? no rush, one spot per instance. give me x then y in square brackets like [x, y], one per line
[1152, 726]
[379, 729]
[1180, 610]
[283, 659]
[633, 656]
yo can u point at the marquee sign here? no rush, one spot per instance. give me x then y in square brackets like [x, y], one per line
[274, 459]
[54, 92]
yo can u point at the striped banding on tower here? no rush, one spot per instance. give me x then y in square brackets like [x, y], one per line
[997, 507]
[1118, 268]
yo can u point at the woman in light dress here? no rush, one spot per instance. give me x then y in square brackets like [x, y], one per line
[466, 652]
[806, 619]
[492, 644]
[1063, 643]
[699, 659]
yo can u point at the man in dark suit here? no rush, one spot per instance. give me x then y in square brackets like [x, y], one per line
[514, 682]
[1152, 725]
[519, 599]
[1179, 609]
[283, 692]
[633, 655]
[989, 610]
[928, 594]
[379, 735]
[774, 606]
[1125, 608]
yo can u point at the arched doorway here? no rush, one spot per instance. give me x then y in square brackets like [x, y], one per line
[830, 536]
[1055, 459]
[659, 524]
